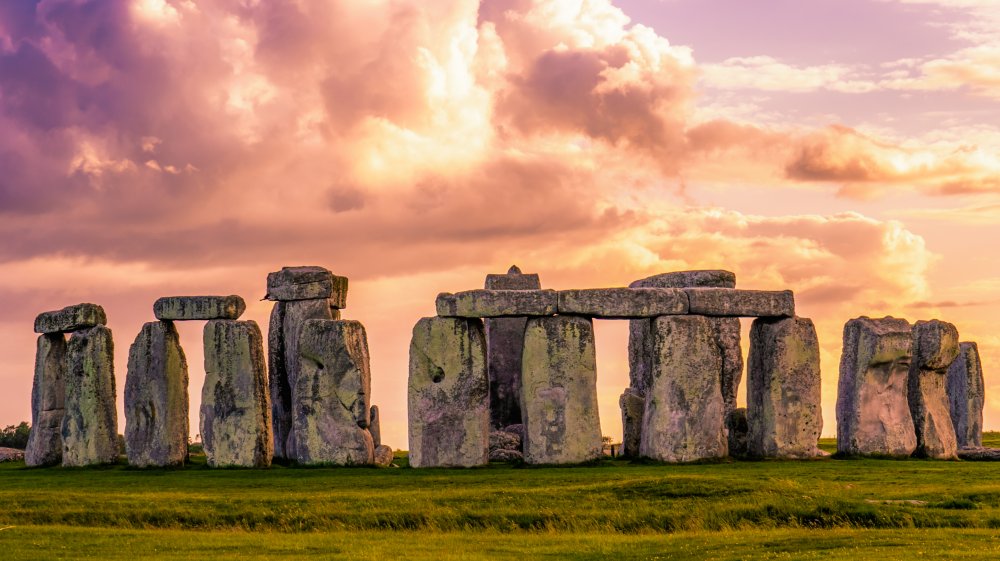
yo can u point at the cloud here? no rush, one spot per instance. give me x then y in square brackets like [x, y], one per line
[767, 73]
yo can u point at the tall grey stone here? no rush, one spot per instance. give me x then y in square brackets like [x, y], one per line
[632, 404]
[70, 318]
[559, 391]
[935, 347]
[235, 415]
[622, 303]
[48, 402]
[375, 426]
[504, 344]
[448, 394]
[156, 398]
[967, 392]
[287, 319]
[90, 425]
[783, 389]
[873, 413]
[331, 398]
[683, 416]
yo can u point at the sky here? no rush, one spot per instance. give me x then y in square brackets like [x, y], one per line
[848, 150]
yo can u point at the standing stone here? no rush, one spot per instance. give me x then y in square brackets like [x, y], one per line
[783, 389]
[873, 413]
[235, 411]
[448, 394]
[48, 397]
[156, 398]
[90, 425]
[375, 426]
[559, 391]
[935, 347]
[683, 417]
[739, 432]
[331, 398]
[287, 319]
[967, 391]
[504, 345]
[632, 404]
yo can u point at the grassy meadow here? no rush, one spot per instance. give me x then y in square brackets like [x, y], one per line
[820, 509]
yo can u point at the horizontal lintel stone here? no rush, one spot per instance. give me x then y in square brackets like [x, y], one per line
[497, 303]
[623, 303]
[729, 302]
[174, 308]
[307, 283]
[70, 318]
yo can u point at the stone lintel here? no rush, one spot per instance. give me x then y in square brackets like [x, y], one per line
[70, 318]
[497, 303]
[181, 308]
[307, 283]
[729, 302]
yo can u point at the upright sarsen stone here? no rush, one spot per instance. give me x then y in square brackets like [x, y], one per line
[235, 413]
[156, 398]
[873, 413]
[783, 389]
[448, 394]
[307, 283]
[48, 396]
[683, 417]
[559, 391]
[632, 404]
[967, 391]
[90, 425]
[935, 347]
[331, 399]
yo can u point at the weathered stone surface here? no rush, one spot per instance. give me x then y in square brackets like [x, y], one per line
[688, 279]
[283, 364]
[517, 429]
[935, 347]
[623, 303]
[48, 397]
[331, 398]
[783, 389]
[501, 440]
[633, 404]
[375, 426]
[383, 456]
[979, 454]
[967, 392]
[873, 414]
[739, 432]
[504, 345]
[497, 303]
[727, 337]
[156, 398]
[235, 415]
[199, 307]
[740, 303]
[559, 391]
[448, 393]
[683, 416]
[11, 455]
[506, 456]
[90, 425]
[70, 318]
[307, 283]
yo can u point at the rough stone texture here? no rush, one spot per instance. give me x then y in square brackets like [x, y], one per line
[683, 416]
[199, 307]
[375, 426]
[48, 397]
[156, 398]
[11, 455]
[873, 414]
[235, 415]
[979, 454]
[497, 303]
[504, 345]
[283, 364]
[90, 425]
[633, 404]
[739, 431]
[967, 392]
[383, 456]
[688, 279]
[783, 389]
[506, 456]
[307, 283]
[727, 337]
[502, 440]
[740, 303]
[623, 303]
[559, 391]
[935, 347]
[70, 318]
[448, 394]
[331, 398]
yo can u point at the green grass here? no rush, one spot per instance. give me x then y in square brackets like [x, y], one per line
[825, 508]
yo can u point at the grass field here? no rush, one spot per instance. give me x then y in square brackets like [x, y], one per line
[821, 509]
